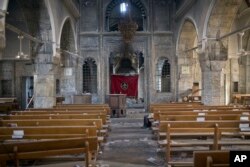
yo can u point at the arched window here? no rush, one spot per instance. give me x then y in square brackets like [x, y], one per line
[117, 8]
[163, 76]
[89, 76]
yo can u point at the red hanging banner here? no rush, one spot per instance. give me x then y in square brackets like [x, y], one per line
[124, 85]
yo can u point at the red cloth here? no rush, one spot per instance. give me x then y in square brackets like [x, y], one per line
[124, 85]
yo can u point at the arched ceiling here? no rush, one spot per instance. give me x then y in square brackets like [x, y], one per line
[222, 17]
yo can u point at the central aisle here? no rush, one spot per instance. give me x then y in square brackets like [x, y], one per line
[129, 145]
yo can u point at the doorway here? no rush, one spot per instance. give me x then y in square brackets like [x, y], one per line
[27, 92]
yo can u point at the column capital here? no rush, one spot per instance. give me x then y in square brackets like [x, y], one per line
[212, 49]
[212, 56]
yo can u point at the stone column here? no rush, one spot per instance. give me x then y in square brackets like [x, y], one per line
[213, 90]
[2, 34]
[247, 74]
[213, 62]
[44, 83]
[46, 66]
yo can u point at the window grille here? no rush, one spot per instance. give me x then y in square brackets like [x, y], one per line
[163, 76]
[89, 76]
[57, 86]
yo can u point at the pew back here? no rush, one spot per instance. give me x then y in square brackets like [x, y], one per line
[211, 158]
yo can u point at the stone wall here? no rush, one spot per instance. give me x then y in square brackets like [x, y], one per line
[160, 38]
[43, 60]
[154, 42]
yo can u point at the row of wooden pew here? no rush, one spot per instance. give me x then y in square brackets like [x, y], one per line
[62, 130]
[193, 127]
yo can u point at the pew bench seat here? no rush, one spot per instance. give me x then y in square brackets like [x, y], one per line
[186, 143]
[27, 150]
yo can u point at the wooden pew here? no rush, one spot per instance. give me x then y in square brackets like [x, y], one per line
[199, 117]
[76, 110]
[186, 108]
[222, 140]
[61, 112]
[196, 118]
[60, 116]
[154, 110]
[85, 106]
[52, 122]
[58, 111]
[197, 124]
[30, 132]
[56, 122]
[186, 140]
[82, 105]
[156, 115]
[43, 148]
[175, 104]
[211, 158]
[8, 104]
[182, 134]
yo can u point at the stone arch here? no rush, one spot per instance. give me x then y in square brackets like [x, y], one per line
[188, 61]
[221, 18]
[114, 3]
[112, 9]
[68, 60]
[52, 22]
[67, 43]
[68, 23]
[184, 37]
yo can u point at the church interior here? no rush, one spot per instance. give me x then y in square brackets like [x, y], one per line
[132, 83]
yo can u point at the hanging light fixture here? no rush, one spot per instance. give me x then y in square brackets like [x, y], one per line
[20, 54]
[127, 26]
